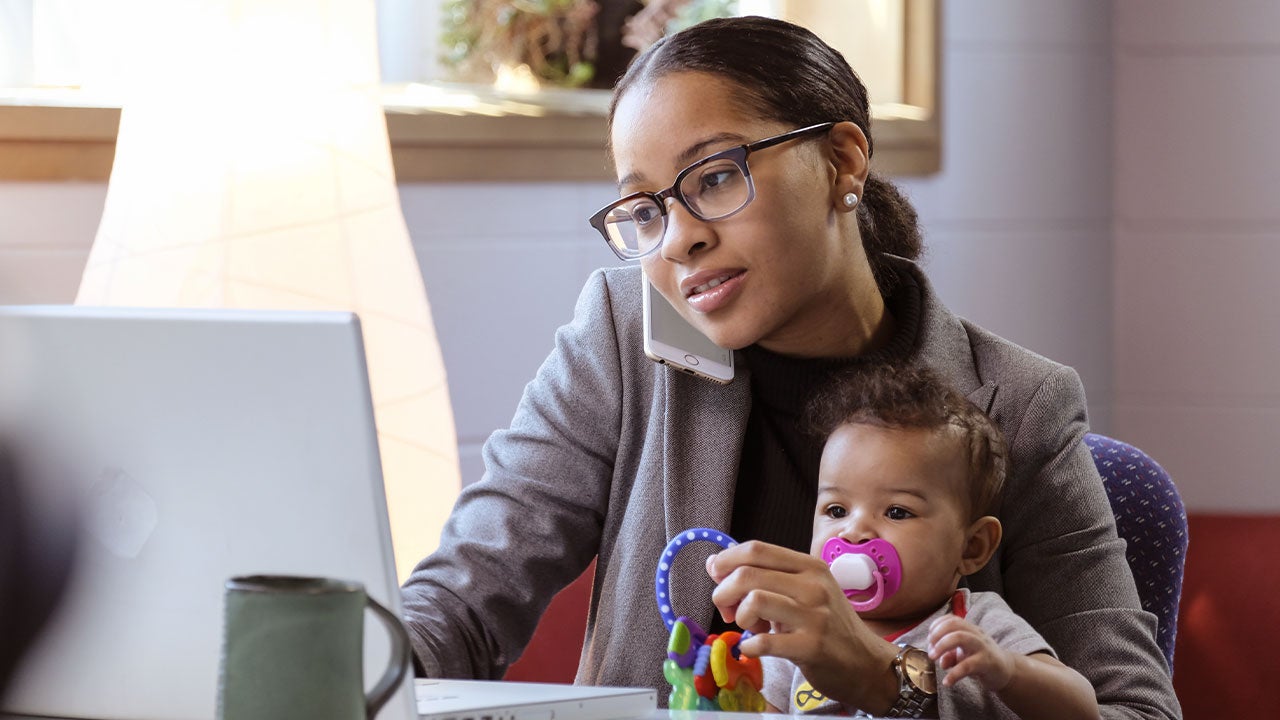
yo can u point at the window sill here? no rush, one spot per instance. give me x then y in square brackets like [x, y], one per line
[437, 134]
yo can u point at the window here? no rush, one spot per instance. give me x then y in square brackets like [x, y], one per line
[51, 127]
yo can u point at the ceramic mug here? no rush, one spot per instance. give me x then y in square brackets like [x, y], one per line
[294, 647]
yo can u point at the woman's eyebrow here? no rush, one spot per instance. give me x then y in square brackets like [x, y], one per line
[687, 156]
[698, 149]
[629, 179]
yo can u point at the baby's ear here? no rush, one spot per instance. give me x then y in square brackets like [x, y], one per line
[980, 543]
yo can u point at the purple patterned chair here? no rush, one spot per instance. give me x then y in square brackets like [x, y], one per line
[1151, 518]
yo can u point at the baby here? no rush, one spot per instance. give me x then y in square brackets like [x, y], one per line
[910, 477]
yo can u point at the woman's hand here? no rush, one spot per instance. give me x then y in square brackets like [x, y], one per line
[792, 604]
[965, 650]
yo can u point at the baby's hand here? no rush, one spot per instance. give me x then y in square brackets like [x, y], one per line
[964, 650]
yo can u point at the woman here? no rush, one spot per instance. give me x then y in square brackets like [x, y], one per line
[794, 254]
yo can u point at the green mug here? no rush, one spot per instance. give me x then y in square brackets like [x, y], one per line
[293, 647]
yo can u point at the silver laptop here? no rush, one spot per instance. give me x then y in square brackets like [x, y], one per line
[202, 445]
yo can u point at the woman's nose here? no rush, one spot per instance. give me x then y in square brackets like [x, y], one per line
[685, 235]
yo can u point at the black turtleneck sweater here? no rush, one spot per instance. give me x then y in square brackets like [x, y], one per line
[778, 470]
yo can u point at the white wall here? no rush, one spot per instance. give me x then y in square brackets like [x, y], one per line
[503, 264]
[1197, 245]
[1018, 221]
[45, 233]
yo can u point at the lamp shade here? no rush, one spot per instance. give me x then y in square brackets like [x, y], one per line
[253, 170]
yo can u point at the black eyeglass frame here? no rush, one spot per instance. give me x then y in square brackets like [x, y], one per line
[738, 154]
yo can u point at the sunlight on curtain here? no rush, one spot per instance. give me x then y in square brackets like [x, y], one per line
[253, 170]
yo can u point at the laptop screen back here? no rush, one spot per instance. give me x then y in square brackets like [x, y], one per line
[199, 445]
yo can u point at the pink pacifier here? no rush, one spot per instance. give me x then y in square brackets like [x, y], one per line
[859, 568]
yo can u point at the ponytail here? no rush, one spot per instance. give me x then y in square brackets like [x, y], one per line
[889, 226]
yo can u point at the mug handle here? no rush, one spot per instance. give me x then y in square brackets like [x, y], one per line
[400, 660]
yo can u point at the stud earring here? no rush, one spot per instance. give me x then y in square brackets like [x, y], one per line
[850, 200]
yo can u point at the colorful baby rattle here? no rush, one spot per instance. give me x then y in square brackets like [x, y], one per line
[706, 672]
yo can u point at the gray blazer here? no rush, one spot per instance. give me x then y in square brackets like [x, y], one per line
[609, 455]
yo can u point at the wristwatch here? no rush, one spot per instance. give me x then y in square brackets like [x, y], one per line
[917, 683]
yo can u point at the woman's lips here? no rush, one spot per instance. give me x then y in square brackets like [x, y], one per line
[715, 293]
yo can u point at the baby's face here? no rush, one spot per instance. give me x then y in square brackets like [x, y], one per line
[905, 486]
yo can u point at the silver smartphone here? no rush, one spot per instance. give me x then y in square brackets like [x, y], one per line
[670, 339]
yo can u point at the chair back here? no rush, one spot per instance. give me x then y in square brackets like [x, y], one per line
[1151, 518]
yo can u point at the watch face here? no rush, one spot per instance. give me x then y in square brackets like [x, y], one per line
[919, 670]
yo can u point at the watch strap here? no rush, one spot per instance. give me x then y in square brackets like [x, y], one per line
[912, 701]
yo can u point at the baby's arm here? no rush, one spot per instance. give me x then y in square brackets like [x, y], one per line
[1033, 686]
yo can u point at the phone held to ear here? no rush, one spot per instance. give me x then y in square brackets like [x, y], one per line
[669, 339]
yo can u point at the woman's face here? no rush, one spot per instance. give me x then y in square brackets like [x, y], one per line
[786, 263]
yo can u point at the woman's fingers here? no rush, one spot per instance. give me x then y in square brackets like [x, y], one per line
[764, 610]
[754, 553]
[796, 647]
[736, 589]
[793, 605]
[789, 600]
[802, 589]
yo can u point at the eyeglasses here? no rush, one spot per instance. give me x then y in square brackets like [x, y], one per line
[713, 188]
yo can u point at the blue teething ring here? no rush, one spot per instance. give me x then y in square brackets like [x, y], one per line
[661, 580]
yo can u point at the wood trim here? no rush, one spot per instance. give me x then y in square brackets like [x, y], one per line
[431, 147]
[923, 81]
[40, 143]
[78, 144]
[923, 54]
[554, 149]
